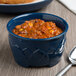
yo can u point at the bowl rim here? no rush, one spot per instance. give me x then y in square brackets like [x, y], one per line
[66, 29]
[23, 4]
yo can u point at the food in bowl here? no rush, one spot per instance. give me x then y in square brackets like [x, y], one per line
[37, 29]
[15, 1]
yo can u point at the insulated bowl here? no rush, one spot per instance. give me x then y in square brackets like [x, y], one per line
[37, 52]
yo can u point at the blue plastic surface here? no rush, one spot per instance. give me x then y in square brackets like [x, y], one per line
[37, 52]
[21, 8]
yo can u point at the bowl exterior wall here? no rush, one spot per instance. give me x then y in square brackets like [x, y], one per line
[30, 53]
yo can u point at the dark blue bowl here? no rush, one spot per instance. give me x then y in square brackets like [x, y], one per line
[37, 52]
[20, 8]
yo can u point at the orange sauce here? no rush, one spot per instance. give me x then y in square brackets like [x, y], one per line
[15, 1]
[37, 29]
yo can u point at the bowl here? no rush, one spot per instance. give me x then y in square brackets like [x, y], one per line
[37, 52]
[21, 8]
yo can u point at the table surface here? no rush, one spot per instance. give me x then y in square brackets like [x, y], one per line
[8, 66]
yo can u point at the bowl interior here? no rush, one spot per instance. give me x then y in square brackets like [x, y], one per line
[46, 17]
